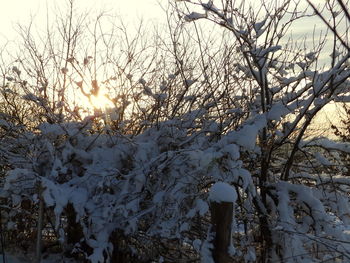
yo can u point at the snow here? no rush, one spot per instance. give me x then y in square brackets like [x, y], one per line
[197, 244]
[232, 150]
[4, 123]
[322, 160]
[264, 52]
[202, 158]
[246, 137]
[277, 111]
[258, 26]
[194, 16]
[202, 207]
[222, 192]
[206, 248]
[328, 144]
[158, 197]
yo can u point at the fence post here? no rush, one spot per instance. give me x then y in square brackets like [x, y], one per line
[221, 220]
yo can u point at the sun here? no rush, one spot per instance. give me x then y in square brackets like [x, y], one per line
[89, 104]
[101, 102]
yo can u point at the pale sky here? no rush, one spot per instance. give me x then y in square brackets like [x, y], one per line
[20, 11]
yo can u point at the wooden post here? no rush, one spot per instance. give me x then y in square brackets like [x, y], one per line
[221, 220]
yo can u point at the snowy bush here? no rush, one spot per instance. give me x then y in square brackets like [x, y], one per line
[137, 184]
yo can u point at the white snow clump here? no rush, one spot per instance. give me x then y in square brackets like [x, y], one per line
[222, 192]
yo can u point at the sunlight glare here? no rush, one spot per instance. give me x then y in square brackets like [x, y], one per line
[101, 102]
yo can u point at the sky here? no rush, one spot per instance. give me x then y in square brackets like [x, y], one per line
[14, 12]
[20, 11]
